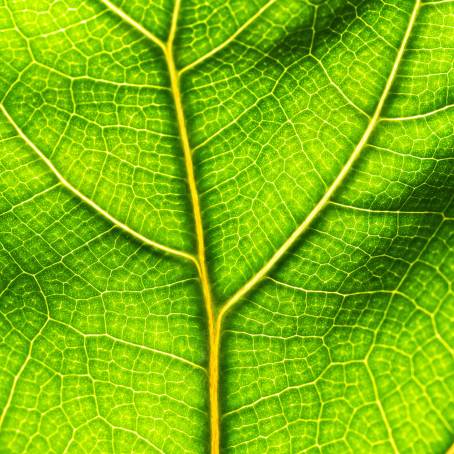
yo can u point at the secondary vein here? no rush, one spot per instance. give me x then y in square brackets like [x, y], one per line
[230, 39]
[129, 20]
[323, 202]
[90, 202]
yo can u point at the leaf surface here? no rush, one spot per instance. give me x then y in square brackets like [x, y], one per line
[226, 225]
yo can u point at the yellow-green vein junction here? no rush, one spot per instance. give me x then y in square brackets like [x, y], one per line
[323, 202]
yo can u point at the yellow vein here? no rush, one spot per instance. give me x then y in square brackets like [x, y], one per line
[19, 375]
[90, 202]
[373, 211]
[147, 348]
[418, 116]
[129, 343]
[213, 332]
[326, 292]
[440, 2]
[379, 404]
[397, 291]
[130, 431]
[32, 198]
[133, 23]
[338, 89]
[230, 39]
[336, 183]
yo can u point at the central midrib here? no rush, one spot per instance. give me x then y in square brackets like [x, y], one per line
[213, 331]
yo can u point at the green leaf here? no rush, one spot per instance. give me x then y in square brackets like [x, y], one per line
[226, 225]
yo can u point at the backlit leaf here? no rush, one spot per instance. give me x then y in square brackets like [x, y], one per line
[226, 226]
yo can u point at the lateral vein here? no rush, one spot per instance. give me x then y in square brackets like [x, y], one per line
[129, 20]
[303, 227]
[130, 344]
[18, 375]
[418, 116]
[90, 202]
[230, 39]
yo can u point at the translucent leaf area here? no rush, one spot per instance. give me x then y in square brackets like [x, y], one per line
[226, 226]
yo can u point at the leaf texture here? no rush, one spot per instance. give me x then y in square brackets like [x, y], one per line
[226, 226]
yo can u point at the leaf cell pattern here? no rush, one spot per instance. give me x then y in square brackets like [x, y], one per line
[226, 226]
